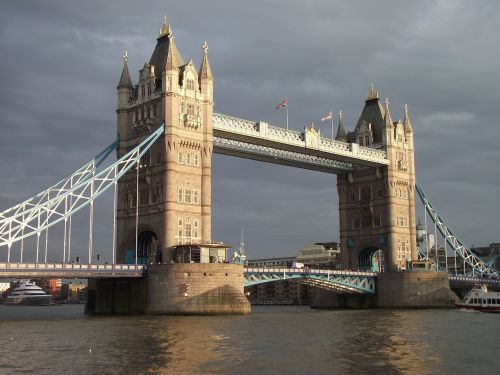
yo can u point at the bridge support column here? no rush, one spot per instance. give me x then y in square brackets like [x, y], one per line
[197, 289]
[418, 289]
[326, 299]
[116, 296]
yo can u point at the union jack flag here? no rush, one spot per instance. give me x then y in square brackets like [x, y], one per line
[328, 116]
[284, 103]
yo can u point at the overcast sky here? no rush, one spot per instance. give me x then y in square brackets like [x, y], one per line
[61, 61]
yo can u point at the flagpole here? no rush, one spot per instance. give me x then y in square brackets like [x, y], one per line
[287, 116]
[331, 111]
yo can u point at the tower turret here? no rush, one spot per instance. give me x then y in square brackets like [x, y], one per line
[205, 77]
[125, 90]
[341, 132]
[388, 129]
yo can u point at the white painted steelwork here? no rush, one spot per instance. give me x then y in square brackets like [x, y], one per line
[54, 210]
[478, 266]
[344, 281]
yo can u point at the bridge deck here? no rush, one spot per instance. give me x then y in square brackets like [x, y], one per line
[264, 142]
[70, 270]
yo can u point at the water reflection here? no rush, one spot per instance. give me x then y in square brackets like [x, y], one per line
[291, 340]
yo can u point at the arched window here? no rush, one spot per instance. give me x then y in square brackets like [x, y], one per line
[190, 84]
[366, 193]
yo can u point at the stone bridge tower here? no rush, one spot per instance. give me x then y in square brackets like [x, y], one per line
[172, 204]
[376, 205]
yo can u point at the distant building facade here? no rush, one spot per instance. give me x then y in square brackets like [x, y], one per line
[320, 255]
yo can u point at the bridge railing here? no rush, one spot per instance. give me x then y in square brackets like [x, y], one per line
[71, 266]
[308, 271]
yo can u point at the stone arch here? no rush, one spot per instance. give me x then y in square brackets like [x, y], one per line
[147, 247]
[371, 259]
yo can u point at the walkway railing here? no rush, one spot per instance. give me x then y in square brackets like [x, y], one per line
[70, 270]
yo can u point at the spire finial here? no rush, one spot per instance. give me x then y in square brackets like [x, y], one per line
[125, 56]
[205, 47]
[387, 103]
[341, 115]
[373, 93]
[165, 29]
[405, 107]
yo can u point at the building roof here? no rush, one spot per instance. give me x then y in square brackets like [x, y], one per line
[165, 49]
[205, 71]
[125, 81]
[373, 113]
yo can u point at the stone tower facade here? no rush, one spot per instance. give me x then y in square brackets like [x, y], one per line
[168, 200]
[377, 205]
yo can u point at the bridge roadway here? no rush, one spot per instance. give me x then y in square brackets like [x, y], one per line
[345, 281]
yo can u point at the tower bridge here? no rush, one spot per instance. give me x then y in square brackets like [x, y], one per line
[167, 132]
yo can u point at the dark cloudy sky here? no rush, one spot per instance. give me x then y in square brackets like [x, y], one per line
[61, 61]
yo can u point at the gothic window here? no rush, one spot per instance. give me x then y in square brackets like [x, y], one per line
[187, 196]
[144, 194]
[179, 223]
[196, 161]
[380, 193]
[195, 223]
[367, 221]
[187, 231]
[190, 109]
[149, 89]
[366, 193]
[190, 84]
[188, 158]
[183, 107]
[180, 195]
[196, 195]
[143, 91]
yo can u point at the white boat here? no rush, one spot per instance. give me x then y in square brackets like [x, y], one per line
[29, 294]
[481, 299]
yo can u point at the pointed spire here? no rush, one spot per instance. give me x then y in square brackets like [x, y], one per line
[125, 81]
[372, 94]
[341, 132]
[387, 117]
[205, 71]
[406, 119]
[170, 63]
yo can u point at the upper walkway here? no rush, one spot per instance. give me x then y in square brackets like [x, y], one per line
[308, 150]
[70, 270]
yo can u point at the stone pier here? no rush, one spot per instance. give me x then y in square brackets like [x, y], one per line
[176, 288]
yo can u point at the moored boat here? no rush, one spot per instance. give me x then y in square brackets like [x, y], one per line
[28, 294]
[481, 299]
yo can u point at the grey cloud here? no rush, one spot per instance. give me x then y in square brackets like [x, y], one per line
[61, 62]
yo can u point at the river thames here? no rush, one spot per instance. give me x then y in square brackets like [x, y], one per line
[272, 340]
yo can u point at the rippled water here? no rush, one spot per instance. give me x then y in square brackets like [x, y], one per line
[287, 340]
